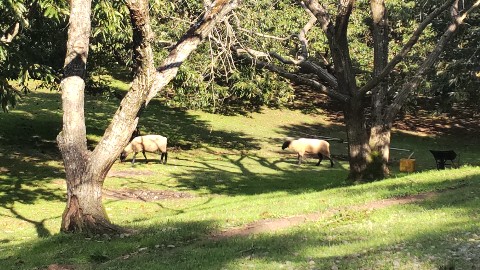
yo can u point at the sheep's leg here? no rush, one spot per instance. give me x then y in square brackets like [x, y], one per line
[133, 159]
[320, 158]
[331, 161]
[164, 155]
[299, 159]
[146, 160]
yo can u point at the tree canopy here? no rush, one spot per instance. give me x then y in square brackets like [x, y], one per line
[33, 38]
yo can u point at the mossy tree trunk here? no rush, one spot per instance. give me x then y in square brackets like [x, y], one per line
[86, 170]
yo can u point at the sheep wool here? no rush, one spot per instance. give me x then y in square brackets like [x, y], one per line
[146, 143]
[312, 146]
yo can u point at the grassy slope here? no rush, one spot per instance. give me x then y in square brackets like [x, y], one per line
[237, 173]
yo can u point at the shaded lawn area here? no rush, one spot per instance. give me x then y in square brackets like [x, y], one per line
[232, 172]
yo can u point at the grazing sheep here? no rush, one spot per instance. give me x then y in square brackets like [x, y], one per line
[313, 146]
[135, 134]
[146, 143]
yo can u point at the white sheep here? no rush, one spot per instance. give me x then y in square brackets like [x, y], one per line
[313, 146]
[146, 143]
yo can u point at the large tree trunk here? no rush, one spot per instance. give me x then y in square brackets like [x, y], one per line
[381, 128]
[86, 170]
[358, 149]
[84, 211]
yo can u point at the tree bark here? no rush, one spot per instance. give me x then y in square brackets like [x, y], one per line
[86, 170]
[358, 148]
[84, 210]
[380, 132]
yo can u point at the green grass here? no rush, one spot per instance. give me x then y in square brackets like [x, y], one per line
[235, 173]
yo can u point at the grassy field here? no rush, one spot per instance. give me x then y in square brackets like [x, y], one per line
[227, 174]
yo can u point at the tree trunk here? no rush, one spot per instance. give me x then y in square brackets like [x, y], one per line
[358, 149]
[84, 210]
[381, 128]
[86, 170]
[380, 150]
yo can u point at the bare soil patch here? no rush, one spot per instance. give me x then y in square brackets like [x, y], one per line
[272, 225]
[425, 119]
[128, 173]
[145, 195]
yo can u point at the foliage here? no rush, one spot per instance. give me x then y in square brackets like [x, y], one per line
[456, 79]
[111, 41]
[36, 52]
[241, 91]
[213, 80]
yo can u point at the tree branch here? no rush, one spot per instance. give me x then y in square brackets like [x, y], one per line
[11, 33]
[405, 50]
[302, 36]
[413, 83]
[295, 77]
[188, 43]
[338, 44]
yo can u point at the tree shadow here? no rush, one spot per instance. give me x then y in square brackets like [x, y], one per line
[27, 148]
[323, 244]
[233, 174]
[185, 131]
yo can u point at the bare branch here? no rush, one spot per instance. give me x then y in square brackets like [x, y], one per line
[296, 78]
[428, 63]
[320, 13]
[321, 72]
[254, 53]
[188, 43]
[302, 36]
[284, 60]
[406, 48]
[11, 33]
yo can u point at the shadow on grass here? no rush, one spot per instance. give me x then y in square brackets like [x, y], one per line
[27, 144]
[341, 243]
[24, 180]
[249, 174]
[403, 144]
[186, 131]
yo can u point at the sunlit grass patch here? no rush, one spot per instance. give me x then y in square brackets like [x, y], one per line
[227, 173]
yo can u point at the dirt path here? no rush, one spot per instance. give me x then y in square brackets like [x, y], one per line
[265, 225]
[273, 225]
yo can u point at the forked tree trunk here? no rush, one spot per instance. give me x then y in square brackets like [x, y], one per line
[86, 170]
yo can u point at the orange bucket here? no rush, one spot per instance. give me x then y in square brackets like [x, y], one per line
[407, 165]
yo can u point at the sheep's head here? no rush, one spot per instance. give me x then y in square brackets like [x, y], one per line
[123, 156]
[286, 144]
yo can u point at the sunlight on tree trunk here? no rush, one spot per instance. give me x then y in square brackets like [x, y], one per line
[86, 170]
[380, 130]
